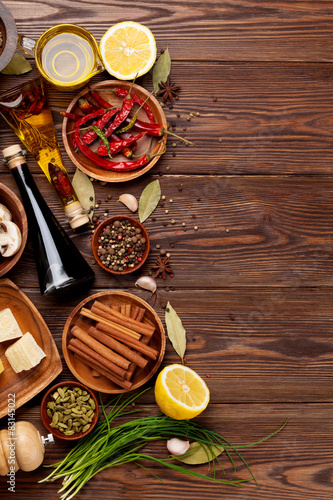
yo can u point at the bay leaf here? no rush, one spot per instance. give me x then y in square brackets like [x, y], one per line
[149, 199]
[161, 69]
[17, 66]
[85, 191]
[175, 330]
[200, 454]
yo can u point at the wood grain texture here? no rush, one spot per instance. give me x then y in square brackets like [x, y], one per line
[293, 464]
[251, 231]
[225, 30]
[253, 283]
[267, 119]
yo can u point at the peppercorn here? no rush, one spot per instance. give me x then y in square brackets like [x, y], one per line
[118, 249]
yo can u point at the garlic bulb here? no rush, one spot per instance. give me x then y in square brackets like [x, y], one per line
[177, 446]
[129, 201]
[147, 283]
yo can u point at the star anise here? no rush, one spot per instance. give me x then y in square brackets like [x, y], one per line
[168, 90]
[162, 267]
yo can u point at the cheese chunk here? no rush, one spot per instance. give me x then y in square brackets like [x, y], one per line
[9, 328]
[1, 367]
[25, 353]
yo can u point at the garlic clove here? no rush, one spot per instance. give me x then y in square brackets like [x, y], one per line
[129, 201]
[147, 283]
[177, 446]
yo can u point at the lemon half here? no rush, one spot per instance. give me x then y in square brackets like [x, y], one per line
[128, 49]
[180, 392]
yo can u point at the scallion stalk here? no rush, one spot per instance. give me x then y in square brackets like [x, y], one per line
[107, 446]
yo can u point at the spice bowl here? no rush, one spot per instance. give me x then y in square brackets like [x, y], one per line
[84, 370]
[133, 254]
[9, 199]
[8, 36]
[69, 411]
[155, 145]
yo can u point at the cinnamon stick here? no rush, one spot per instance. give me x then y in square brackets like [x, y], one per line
[116, 307]
[89, 314]
[110, 314]
[135, 311]
[122, 309]
[140, 314]
[118, 347]
[108, 365]
[100, 348]
[128, 310]
[122, 383]
[146, 350]
[130, 371]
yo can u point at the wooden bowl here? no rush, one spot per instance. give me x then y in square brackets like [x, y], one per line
[85, 164]
[85, 374]
[9, 36]
[98, 233]
[47, 420]
[14, 205]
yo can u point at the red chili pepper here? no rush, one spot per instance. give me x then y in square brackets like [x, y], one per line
[154, 130]
[117, 146]
[99, 99]
[89, 136]
[126, 107]
[86, 106]
[90, 116]
[128, 152]
[123, 93]
[60, 181]
[122, 166]
[71, 116]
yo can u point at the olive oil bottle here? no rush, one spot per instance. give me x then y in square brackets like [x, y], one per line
[59, 263]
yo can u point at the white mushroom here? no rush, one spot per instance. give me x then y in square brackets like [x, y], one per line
[10, 238]
[5, 214]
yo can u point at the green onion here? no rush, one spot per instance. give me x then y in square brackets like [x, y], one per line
[108, 446]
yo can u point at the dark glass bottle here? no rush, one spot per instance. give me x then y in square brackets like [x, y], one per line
[59, 263]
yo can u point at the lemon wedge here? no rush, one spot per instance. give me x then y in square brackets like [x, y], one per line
[128, 49]
[180, 392]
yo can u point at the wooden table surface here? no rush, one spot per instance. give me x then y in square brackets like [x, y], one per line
[253, 283]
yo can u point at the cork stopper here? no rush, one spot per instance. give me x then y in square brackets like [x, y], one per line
[11, 150]
[76, 215]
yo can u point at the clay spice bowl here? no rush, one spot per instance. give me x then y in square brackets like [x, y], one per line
[8, 36]
[120, 244]
[83, 407]
[9, 199]
[155, 144]
[91, 363]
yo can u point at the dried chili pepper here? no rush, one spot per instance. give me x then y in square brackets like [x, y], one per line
[126, 107]
[154, 130]
[133, 119]
[86, 106]
[123, 93]
[60, 181]
[99, 99]
[119, 145]
[128, 151]
[71, 116]
[92, 134]
[89, 116]
[122, 166]
[102, 136]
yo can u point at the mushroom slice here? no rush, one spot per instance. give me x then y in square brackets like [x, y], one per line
[5, 214]
[10, 238]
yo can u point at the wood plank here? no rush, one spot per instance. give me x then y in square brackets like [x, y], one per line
[249, 345]
[294, 464]
[267, 119]
[251, 231]
[220, 31]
